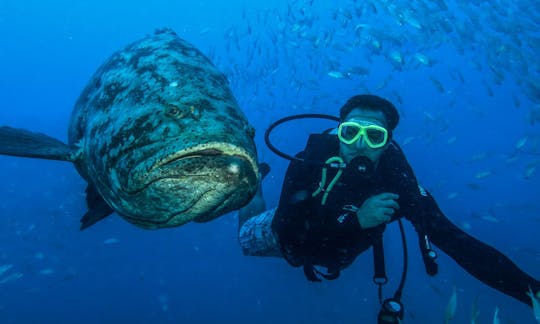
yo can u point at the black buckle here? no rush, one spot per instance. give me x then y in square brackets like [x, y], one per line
[428, 256]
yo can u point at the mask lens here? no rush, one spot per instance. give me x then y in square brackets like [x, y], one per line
[349, 132]
[376, 136]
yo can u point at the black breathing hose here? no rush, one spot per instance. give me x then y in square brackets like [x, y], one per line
[286, 119]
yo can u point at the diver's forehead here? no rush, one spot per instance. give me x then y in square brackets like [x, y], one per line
[365, 116]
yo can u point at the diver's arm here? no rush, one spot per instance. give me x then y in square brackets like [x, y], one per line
[479, 259]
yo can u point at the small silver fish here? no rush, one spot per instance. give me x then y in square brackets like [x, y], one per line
[423, 59]
[496, 319]
[474, 311]
[522, 141]
[111, 241]
[535, 305]
[483, 174]
[4, 268]
[339, 75]
[11, 277]
[451, 307]
[452, 195]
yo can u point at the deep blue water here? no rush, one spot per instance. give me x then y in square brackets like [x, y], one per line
[463, 141]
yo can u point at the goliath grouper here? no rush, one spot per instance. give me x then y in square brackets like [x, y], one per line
[158, 136]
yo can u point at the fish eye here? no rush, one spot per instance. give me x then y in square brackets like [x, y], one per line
[174, 112]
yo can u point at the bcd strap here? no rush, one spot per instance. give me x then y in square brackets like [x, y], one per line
[379, 277]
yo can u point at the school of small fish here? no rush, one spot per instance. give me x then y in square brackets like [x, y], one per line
[403, 33]
[281, 53]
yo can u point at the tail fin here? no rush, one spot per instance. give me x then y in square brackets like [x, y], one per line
[21, 142]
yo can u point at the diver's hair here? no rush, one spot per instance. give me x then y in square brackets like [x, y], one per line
[375, 103]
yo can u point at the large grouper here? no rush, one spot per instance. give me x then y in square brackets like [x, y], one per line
[158, 136]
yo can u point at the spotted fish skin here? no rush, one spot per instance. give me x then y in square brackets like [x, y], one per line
[159, 135]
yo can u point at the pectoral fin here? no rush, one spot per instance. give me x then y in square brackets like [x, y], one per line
[24, 143]
[98, 209]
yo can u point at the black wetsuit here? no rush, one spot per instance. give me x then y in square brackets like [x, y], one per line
[310, 233]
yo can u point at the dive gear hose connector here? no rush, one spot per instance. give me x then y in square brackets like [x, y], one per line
[391, 312]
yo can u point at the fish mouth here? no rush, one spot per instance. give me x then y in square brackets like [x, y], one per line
[186, 163]
[206, 150]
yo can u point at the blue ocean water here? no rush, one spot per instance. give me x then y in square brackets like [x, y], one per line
[463, 75]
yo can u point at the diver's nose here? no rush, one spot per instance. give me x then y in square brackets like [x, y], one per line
[361, 143]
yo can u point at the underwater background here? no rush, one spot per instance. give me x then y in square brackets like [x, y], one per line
[463, 74]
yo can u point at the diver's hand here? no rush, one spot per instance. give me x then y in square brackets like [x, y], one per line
[377, 210]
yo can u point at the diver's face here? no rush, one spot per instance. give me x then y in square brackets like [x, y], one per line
[361, 148]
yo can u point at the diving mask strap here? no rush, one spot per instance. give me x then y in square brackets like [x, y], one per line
[322, 183]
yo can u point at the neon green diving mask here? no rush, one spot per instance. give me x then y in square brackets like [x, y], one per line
[375, 136]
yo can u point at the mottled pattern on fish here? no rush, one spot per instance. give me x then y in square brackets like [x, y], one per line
[162, 137]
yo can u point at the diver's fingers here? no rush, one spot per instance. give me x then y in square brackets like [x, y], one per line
[385, 218]
[388, 211]
[390, 203]
[387, 196]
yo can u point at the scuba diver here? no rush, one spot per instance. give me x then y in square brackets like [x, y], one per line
[340, 193]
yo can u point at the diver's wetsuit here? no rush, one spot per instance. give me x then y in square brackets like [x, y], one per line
[310, 233]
